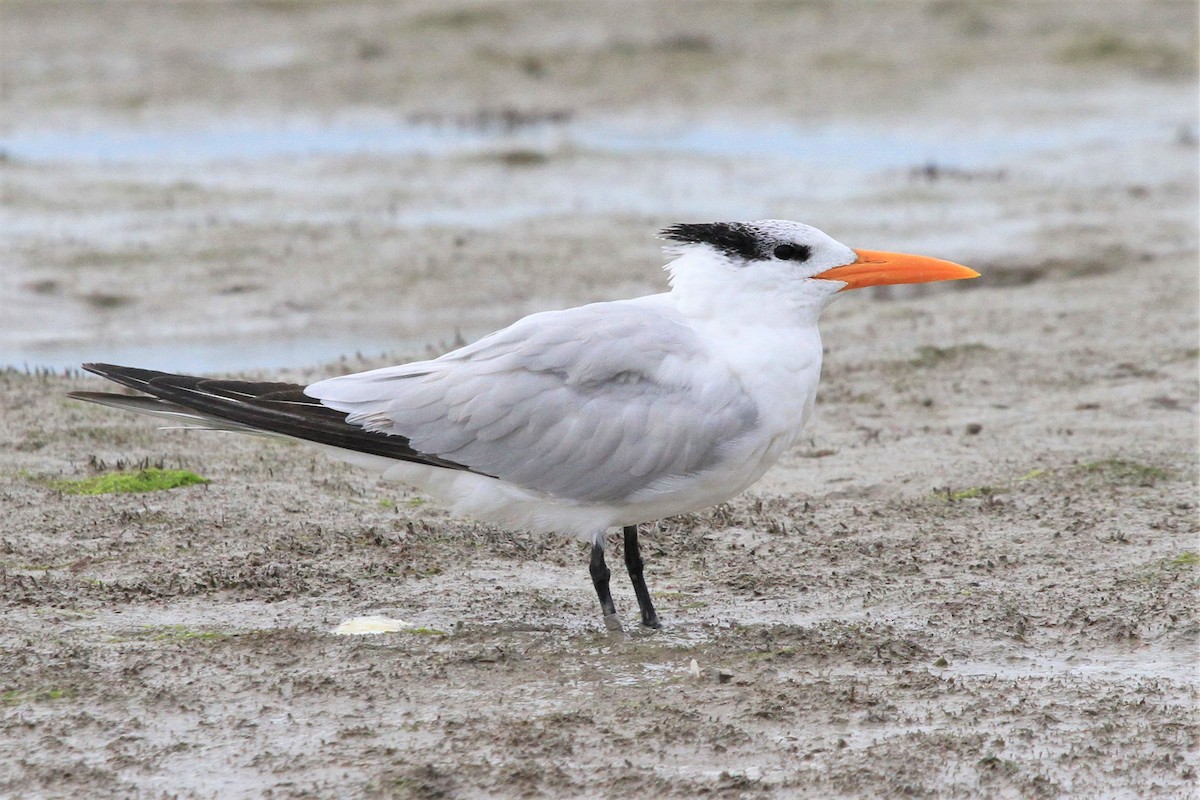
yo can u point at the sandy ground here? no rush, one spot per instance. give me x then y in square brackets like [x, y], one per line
[975, 578]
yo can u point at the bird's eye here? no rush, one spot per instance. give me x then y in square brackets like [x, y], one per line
[791, 252]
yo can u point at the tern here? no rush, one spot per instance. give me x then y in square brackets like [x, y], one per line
[608, 415]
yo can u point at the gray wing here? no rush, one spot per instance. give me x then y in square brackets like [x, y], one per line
[591, 404]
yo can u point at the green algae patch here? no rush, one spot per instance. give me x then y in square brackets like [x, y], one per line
[151, 479]
[1126, 473]
[16, 697]
[1185, 559]
[424, 631]
[929, 355]
[972, 492]
[182, 633]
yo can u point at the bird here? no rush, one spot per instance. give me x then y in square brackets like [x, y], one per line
[613, 414]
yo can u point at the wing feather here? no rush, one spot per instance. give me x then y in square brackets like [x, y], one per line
[590, 404]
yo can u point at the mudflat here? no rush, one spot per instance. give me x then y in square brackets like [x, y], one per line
[976, 577]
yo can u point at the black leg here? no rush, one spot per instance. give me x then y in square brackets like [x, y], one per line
[600, 576]
[633, 562]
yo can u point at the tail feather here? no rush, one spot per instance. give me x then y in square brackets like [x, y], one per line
[281, 409]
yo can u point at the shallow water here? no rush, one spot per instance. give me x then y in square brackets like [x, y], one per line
[224, 354]
[586, 168]
[858, 147]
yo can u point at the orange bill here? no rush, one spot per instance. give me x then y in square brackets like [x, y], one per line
[877, 268]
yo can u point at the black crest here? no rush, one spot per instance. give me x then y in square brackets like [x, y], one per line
[731, 238]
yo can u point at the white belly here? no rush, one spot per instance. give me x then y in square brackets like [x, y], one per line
[492, 500]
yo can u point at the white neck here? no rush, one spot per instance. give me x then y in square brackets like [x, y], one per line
[705, 287]
[766, 333]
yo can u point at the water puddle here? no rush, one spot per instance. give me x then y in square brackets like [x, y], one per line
[370, 626]
[856, 146]
[237, 142]
[203, 356]
[1163, 666]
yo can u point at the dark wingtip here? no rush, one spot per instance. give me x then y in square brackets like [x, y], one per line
[98, 368]
[133, 377]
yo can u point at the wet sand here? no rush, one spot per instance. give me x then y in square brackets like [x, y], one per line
[976, 577]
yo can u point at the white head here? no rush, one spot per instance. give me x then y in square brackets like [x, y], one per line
[776, 262]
